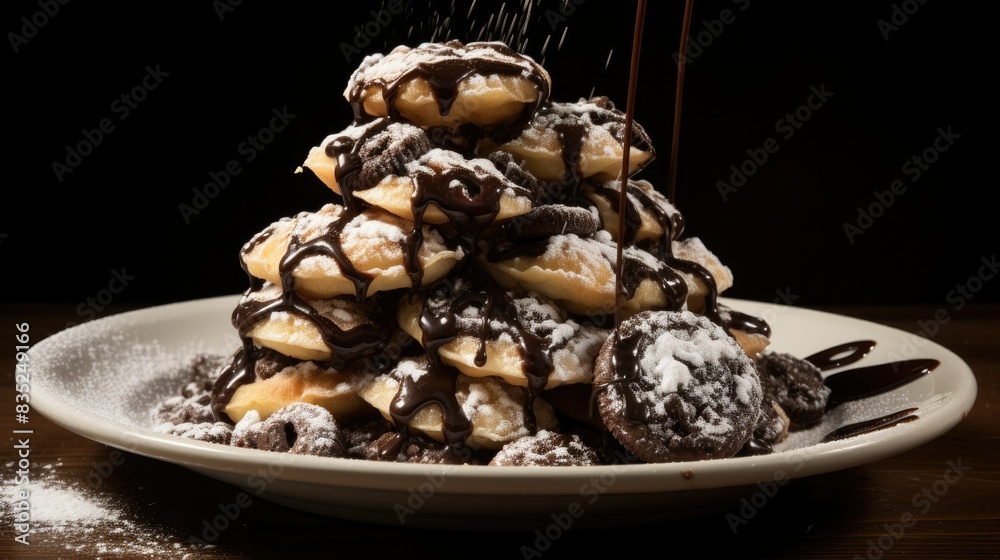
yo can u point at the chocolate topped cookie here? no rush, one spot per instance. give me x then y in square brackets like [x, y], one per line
[677, 387]
[796, 385]
[448, 84]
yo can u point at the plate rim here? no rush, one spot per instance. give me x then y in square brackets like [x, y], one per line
[507, 481]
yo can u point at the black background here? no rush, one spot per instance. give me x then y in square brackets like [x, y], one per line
[782, 231]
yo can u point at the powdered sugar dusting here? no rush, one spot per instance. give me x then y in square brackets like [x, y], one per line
[439, 160]
[384, 69]
[368, 225]
[688, 397]
[76, 519]
[547, 448]
[411, 369]
[121, 367]
[671, 356]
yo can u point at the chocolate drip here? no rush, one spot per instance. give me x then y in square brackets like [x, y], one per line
[437, 386]
[864, 382]
[238, 373]
[633, 270]
[875, 424]
[469, 200]
[349, 164]
[439, 325]
[841, 355]
[346, 346]
[754, 447]
[572, 122]
[747, 323]
[625, 364]
[672, 223]
[327, 245]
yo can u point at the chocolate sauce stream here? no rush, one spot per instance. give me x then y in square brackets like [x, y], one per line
[678, 96]
[629, 272]
[633, 80]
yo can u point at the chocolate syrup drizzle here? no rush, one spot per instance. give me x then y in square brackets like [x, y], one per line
[859, 383]
[873, 425]
[469, 212]
[347, 346]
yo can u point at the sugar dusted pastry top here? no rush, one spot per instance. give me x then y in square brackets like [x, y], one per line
[449, 84]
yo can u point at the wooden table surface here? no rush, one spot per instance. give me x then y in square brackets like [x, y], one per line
[854, 513]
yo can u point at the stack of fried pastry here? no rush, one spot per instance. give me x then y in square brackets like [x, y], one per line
[455, 301]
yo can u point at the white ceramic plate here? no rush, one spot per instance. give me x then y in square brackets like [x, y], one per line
[101, 378]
